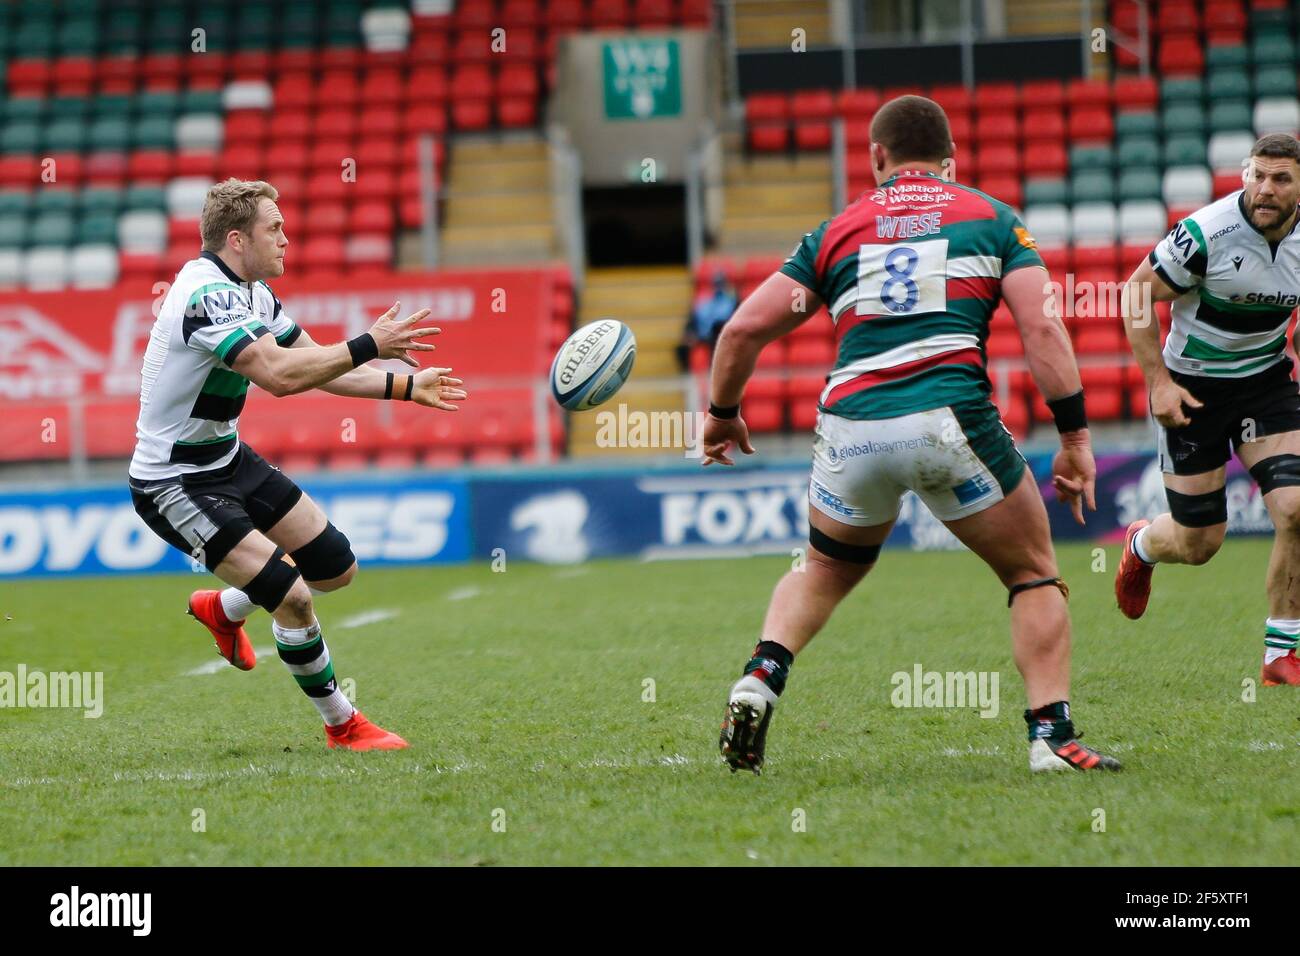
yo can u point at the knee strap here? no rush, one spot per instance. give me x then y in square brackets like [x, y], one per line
[1279, 471]
[1040, 583]
[325, 556]
[854, 553]
[272, 583]
[1199, 511]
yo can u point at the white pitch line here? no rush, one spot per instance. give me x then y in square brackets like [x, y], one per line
[220, 664]
[368, 617]
[461, 594]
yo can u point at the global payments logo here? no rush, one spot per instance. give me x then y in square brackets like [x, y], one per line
[881, 447]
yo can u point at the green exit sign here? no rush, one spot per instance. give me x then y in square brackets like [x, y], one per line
[643, 78]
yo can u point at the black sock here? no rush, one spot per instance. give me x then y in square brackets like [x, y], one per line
[1051, 721]
[771, 664]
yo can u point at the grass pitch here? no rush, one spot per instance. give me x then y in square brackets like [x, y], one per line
[522, 695]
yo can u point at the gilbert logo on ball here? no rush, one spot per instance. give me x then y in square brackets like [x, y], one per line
[593, 364]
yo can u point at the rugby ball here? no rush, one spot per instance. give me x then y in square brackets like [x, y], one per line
[592, 364]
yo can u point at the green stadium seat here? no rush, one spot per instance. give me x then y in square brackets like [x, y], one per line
[13, 232]
[52, 229]
[20, 136]
[146, 197]
[101, 199]
[1228, 84]
[68, 107]
[1092, 185]
[122, 32]
[1184, 150]
[158, 103]
[33, 38]
[1053, 190]
[1139, 184]
[167, 32]
[15, 202]
[1183, 118]
[55, 199]
[1275, 80]
[1136, 123]
[1177, 89]
[23, 108]
[65, 135]
[1217, 57]
[110, 133]
[1138, 151]
[298, 27]
[201, 101]
[1272, 49]
[153, 132]
[1230, 115]
[99, 227]
[79, 37]
[115, 105]
[1091, 157]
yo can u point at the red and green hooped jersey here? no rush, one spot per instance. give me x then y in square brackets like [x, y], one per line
[911, 273]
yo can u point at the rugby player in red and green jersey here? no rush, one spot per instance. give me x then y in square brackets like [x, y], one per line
[911, 273]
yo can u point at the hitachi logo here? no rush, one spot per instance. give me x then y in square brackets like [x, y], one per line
[1288, 299]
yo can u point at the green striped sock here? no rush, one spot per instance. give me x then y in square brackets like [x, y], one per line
[1280, 638]
[304, 652]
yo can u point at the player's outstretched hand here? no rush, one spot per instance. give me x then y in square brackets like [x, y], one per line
[1167, 401]
[717, 436]
[435, 388]
[1074, 473]
[395, 337]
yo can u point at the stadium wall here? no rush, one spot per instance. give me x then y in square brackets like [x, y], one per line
[558, 515]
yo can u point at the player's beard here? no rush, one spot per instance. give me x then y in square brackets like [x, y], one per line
[1266, 213]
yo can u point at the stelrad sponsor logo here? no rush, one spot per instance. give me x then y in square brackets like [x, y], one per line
[78, 909]
[1288, 299]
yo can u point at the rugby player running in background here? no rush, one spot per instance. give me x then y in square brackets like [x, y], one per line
[1223, 383]
[911, 273]
[211, 496]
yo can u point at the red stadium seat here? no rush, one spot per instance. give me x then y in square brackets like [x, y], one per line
[809, 137]
[566, 15]
[1081, 93]
[1136, 93]
[326, 219]
[28, 78]
[471, 114]
[1181, 55]
[246, 126]
[695, 13]
[999, 158]
[426, 84]
[338, 88]
[382, 88]
[1104, 388]
[1044, 124]
[769, 137]
[857, 103]
[331, 122]
[1091, 124]
[517, 112]
[652, 14]
[1178, 18]
[609, 14]
[766, 107]
[1042, 94]
[997, 128]
[292, 125]
[764, 415]
[996, 98]
[1005, 188]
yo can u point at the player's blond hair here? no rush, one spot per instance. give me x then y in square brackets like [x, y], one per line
[232, 205]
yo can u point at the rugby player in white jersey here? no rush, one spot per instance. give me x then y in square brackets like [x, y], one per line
[206, 493]
[911, 273]
[1223, 383]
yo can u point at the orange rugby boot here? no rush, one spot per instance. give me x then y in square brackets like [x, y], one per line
[1284, 670]
[1133, 579]
[360, 734]
[232, 642]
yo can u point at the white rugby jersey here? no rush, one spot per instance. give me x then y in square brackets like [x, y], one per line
[190, 398]
[1238, 291]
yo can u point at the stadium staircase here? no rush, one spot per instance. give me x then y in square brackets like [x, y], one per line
[498, 205]
[770, 201]
[1043, 17]
[654, 302]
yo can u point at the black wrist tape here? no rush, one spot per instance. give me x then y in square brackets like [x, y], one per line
[724, 411]
[363, 349]
[1069, 412]
[388, 387]
[410, 387]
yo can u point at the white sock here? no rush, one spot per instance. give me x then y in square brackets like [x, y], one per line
[1280, 637]
[752, 685]
[304, 652]
[236, 604]
[1137, 546]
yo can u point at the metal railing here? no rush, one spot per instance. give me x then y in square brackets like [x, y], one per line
[566, 199]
